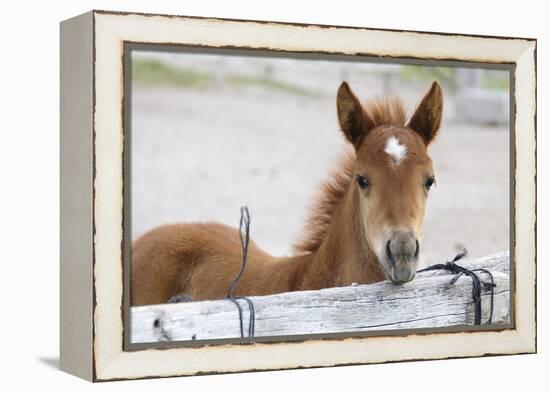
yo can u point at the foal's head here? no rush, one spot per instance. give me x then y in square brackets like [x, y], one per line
[393, 174]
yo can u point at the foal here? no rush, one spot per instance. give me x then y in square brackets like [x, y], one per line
[366, 226]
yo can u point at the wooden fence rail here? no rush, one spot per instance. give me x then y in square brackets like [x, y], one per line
[428, 301]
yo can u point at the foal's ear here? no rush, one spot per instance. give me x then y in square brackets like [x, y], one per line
[427, 117]
[353, 119]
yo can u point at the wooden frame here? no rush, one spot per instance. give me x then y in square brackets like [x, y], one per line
[92, 189]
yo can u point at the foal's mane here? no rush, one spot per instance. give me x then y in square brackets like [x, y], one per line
[384, 111]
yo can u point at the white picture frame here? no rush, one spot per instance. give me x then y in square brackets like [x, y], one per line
[92, 194]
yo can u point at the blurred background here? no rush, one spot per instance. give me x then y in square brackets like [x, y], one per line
[211, 133]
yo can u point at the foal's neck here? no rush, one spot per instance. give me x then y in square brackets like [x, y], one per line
[344, 256]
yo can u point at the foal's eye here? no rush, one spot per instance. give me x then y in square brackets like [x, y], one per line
[429, 183]
[362, 182]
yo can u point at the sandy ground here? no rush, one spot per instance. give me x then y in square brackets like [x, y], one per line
[199, 155]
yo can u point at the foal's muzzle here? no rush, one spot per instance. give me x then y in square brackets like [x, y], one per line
[402, 252]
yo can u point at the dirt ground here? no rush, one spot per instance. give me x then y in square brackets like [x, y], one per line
[199, 155]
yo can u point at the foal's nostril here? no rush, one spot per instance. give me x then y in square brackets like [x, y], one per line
[402, 251]
[388, 252]
[402, 247]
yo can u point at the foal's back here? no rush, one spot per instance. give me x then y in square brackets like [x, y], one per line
[198, 260]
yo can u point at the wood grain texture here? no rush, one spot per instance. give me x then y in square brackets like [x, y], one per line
[428, 301]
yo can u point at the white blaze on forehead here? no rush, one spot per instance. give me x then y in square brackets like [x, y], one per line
[395, 149]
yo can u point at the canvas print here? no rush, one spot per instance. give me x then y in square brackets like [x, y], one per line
[281, 197]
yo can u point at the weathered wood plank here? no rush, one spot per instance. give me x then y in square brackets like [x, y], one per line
[428, 301]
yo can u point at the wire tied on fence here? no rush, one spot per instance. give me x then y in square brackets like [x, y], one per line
[244, 234]
[477, 284]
